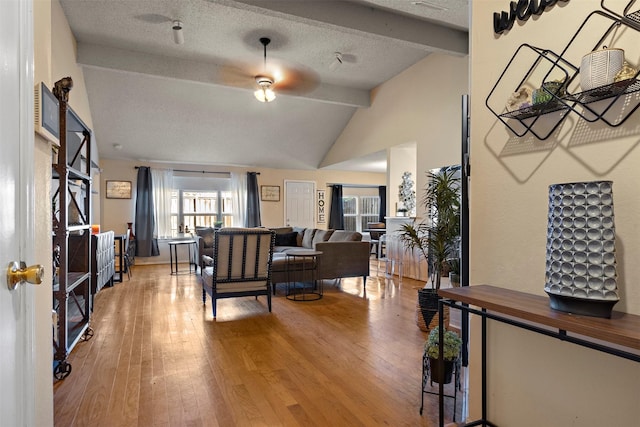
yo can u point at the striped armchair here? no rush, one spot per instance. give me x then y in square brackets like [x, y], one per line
[240, 266]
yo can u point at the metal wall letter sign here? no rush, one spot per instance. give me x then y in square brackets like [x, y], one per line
[522, 10]
[321, 207]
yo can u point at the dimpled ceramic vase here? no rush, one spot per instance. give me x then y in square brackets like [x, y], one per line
[581, 260]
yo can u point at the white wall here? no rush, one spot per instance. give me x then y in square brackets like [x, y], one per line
[421, 105]
[535, 380]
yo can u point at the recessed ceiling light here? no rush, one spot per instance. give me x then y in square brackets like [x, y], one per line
[429, 5]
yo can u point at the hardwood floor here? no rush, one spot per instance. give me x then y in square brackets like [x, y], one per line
[158, 358]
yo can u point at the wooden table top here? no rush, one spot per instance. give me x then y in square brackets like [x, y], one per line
[622, 328]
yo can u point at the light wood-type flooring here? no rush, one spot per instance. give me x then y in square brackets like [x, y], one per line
[158, 358]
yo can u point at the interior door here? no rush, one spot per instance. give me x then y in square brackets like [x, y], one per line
[299, 199]
[16, 163]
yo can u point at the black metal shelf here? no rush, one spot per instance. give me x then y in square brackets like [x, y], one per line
[611, 104]
[71, 220]
[545, 64]
[534, 110]
[631, 19]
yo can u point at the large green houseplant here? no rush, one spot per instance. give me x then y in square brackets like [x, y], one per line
[436, 237]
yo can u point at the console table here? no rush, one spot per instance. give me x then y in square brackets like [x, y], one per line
[532, 312]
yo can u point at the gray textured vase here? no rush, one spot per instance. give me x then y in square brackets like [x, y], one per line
[581, 275]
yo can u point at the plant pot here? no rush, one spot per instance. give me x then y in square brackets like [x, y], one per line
[454, 278]
[434, 369]
[427, 316]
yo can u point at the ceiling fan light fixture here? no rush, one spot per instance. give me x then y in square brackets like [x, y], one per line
[264, 92]
[178, 36]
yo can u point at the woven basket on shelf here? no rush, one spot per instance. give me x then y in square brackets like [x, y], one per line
[599, 68]
[427, 316]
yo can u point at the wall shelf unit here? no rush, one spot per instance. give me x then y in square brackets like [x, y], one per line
[611, 104]
[71, 201]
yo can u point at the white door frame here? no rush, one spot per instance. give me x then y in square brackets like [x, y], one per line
[26, 209]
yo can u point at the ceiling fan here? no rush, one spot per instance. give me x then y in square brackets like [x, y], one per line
[271, 77]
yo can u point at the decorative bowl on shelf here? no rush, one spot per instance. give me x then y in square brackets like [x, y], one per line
[600, 67]
[519, 99]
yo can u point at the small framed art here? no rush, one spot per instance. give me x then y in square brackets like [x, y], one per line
[118, 189]
[270, 193]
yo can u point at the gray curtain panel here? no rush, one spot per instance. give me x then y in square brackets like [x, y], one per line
[253, 201]
[146, 244]
[336, 214]
[382, 192]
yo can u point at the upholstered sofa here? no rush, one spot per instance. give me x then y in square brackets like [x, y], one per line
[344, 254]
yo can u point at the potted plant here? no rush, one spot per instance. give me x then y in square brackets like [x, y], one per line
[451, 350]
[435, 238]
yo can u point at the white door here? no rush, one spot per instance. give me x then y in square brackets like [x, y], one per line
[17, 392]
[299, 199]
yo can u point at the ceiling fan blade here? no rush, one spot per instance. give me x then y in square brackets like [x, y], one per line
[239, 75]
[296, 80]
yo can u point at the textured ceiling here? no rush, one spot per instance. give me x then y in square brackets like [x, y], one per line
[193, 103]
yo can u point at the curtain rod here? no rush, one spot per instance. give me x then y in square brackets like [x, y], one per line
[329, 184]
[192, 171]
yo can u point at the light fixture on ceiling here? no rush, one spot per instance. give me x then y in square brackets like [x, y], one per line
[264, 92]
[178, 36]
[429, 5]
[117, 147]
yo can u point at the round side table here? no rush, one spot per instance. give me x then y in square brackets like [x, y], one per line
[303, 264]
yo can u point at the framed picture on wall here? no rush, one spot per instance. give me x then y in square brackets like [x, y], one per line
[118, 190]
[270, 193]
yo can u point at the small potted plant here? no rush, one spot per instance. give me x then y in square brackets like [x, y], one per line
[451, 350]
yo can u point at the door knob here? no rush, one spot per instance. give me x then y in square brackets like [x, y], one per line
[19, 273]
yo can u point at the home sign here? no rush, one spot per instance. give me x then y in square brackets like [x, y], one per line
[521, 10]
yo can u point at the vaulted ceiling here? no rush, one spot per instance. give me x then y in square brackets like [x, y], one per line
[155, 100]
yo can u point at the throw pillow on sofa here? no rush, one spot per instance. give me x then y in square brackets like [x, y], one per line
[207, 235]
[345, 236]
[322, 236]
[307, 238]
[287, 239]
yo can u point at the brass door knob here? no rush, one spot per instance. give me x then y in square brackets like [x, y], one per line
[19, 273]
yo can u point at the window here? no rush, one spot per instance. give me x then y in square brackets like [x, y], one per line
[360, 210]
[191, 209]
